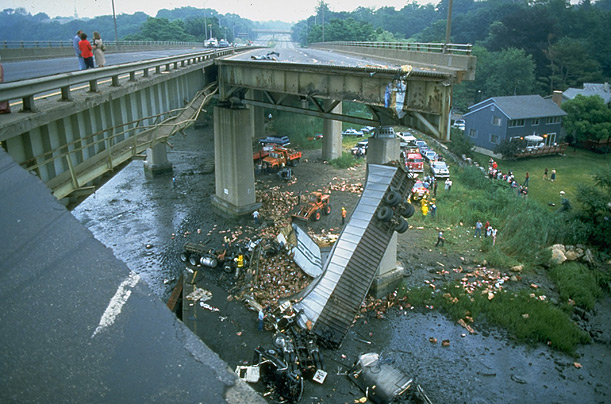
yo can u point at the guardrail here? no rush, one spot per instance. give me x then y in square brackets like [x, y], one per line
[461, 49]
[68, 44]
[26, 90]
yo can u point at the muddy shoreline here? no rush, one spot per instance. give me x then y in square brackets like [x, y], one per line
[137, 218]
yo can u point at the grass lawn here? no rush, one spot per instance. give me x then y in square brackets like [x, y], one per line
[572, 169]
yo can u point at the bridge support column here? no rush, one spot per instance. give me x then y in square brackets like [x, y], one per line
[234, 168]
[156, 162]
[332, 135]
[257, 116]
[390, 272]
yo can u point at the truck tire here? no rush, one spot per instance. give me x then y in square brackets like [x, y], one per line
[384, 213]
[184, 257]
[392, 198]
[316, 216]
[294, 162]
[402, 226]
[327, 210]
[194, 259]
[408, 210]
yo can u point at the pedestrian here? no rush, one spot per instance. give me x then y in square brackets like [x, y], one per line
[5, 108]
[553, 176]
[260, 320]
[526, 179]
[493, 236]
[478, 229]
[343, 215]
[255, 216]
[488, 231]
[448, 184]
[440, 239]
[98, 50]
[545, 174]
[77, 50]
[174, 182]
[86, 51]
[435, 189]
[433, 209]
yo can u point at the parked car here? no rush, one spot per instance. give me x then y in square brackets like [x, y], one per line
[440, 169]
[223, 44]
[353, 132]
[360, 149]
[367, 129]
[279, 140]
[430, 156]
[459, 123]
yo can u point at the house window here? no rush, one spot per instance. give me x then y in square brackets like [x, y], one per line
[553, 119]
[494, 139]
[535, 122]
[514, 123]
[496, 121]
[472, 133]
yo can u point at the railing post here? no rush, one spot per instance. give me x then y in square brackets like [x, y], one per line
[66, 96]
[132, 76]
[115, 81]
[28, 104]
[93, 86]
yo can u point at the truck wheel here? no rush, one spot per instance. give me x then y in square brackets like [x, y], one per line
[327, 210]
[392, 198]
[227, 268]
[183, 257]
[295, 162]
[384, 213]
[402, 226]
[408, 210]
[193, 259]
[316, 215]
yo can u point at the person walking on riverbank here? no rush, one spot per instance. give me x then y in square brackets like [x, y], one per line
[553, 176]
[440, 239]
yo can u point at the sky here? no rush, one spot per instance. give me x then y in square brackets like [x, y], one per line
[256, 10]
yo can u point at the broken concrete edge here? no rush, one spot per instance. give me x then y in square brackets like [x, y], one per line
[387, 283]
[156, 170]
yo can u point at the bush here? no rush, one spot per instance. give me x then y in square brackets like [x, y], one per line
[347, 160]
[577, 282]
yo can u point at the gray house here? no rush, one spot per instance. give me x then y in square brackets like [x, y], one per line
[491, 121]
[588, 90]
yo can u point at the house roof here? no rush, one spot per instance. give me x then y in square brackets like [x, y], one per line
[590, 89]
[523, 106]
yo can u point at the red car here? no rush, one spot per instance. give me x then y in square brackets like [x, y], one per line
[419, 191]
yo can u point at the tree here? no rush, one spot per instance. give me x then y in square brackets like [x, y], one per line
[571, 64]
[595, 202]
[509, 148]
[588, 118]
[460, 144]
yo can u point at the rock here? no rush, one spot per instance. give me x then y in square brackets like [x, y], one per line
[518, 268]
[558, 247]
[558, 256]
[513, 278]
[571, 255]
[518, 379]
[588, 257]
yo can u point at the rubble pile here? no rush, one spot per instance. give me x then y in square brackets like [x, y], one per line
[339, 184]
[278, 277]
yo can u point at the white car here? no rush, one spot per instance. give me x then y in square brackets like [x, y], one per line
[440, 169]
[353, 132]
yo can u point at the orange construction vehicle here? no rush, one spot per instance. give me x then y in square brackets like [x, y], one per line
[318, 203]
[281, 157]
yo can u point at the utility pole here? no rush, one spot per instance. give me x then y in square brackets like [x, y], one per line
[114, 18]
[448, 27]
[205, 24]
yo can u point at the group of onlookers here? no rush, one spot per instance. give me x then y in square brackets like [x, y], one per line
[86, 51]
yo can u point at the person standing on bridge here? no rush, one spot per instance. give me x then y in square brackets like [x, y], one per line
[77, 50]
[98, 50]
[86, 51]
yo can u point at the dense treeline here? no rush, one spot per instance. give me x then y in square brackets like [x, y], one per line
[181, 24]
[523, 47]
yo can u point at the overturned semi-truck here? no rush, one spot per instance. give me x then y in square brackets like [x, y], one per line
[330, 303]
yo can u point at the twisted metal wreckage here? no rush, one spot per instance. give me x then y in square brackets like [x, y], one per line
[324, 311]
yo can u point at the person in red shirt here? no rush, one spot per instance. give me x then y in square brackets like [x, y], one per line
[86, 51]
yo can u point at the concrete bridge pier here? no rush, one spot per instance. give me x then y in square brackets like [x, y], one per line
[257, 116]
[234, 168]
[156, 162]
[332, 134]
[390, 272]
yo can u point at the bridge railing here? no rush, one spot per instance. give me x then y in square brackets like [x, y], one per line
[60, 84]
[68, 44]
[461, 49]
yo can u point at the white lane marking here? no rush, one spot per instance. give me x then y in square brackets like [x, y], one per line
[117, 302]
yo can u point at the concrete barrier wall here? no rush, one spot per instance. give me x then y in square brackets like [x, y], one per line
[16, 54]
